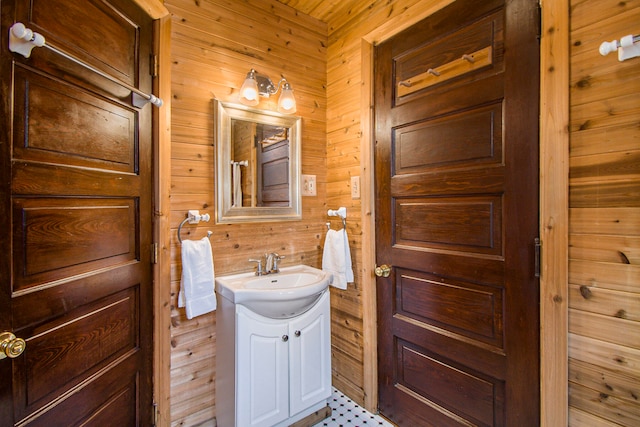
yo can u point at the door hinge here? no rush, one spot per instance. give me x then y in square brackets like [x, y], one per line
[154, 253]
[539, 22]
[153, 68]
[155, 413]
[538, 247]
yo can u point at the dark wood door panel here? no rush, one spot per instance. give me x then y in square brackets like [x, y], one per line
[464, 308]
[467, 96]
[462, 56]
[275, 183]
[447, 48]
[34, 178]
[471, 395]
[455, 348]
[103, 134]
[112, 29]
[456, 214]
[489, 180]
[471, 224]
[273, 167]
[453, 265]
[467, 138]
[57, 239]
[69, 350]
[108, 400]
[55, 300]
[103, 34]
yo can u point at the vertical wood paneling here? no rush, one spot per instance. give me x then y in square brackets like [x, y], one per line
[604, 232]
[554, 142]
[162, 226]
[214, 44]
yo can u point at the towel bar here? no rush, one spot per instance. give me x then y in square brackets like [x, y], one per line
[22, 40]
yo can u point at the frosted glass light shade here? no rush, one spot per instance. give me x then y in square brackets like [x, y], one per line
[249, 91]
[287, 102]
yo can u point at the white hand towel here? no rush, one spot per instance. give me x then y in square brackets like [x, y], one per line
[197, 285]
[336, 258]
[237, 185]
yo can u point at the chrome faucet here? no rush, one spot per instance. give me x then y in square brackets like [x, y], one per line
[276, 259]
[271, 262]
[259, 271]
[268, 262]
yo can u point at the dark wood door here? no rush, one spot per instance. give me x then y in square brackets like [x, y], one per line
[75, 212]
[456, 157]
[273, 174]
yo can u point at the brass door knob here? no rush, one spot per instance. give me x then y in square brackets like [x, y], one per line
[383, 270]
[10, 346]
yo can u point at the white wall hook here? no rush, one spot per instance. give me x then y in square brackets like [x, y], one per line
[194, 217]
[22, 40]
[341, 212]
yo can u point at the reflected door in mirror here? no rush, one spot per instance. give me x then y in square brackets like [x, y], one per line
[260, 166]
[273, 165]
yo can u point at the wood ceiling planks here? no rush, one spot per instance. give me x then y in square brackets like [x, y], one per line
[324, 10]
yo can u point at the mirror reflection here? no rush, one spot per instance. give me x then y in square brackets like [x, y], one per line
[257, 165]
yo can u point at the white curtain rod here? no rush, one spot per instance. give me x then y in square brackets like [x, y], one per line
[628, 47]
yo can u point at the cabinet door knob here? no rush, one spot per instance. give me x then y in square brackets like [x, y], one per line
[298, 333]
[285, 338]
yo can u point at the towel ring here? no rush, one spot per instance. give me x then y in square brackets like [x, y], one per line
[194, 217]
[344, 224]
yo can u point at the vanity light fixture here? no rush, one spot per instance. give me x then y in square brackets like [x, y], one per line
[256, 85]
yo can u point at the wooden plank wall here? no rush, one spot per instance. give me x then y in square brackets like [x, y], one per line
[214, 43]
[604, 218]
[554, 212]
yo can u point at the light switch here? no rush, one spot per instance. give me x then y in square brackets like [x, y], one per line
[355, 187]
[308, 185]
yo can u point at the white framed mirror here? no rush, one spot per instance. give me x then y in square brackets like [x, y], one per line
[257, 165]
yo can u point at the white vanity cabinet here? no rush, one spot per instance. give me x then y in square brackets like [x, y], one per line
[282, 367]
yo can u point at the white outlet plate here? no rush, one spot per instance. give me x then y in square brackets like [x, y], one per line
[355, 187]
[309, 185]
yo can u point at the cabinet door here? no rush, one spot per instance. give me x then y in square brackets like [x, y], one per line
[262, 397]
[310, 356]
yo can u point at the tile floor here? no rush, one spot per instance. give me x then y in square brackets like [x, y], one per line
[347, 413]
